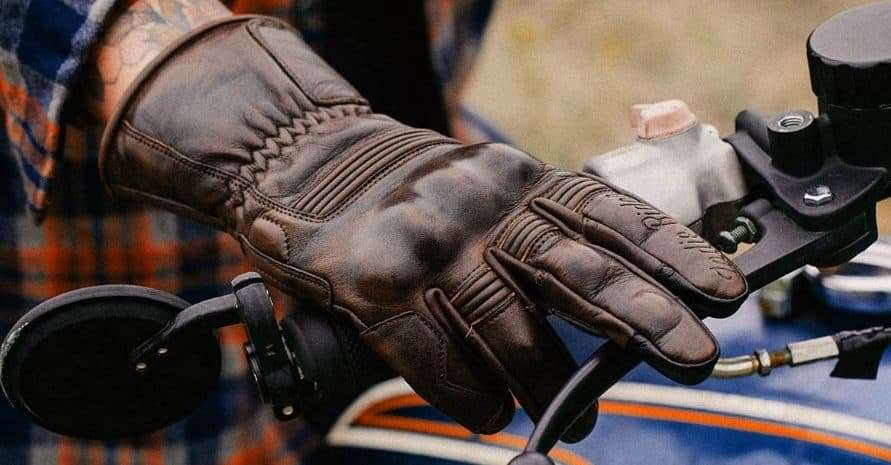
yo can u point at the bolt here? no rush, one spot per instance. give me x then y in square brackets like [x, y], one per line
[818, 195]
[141, 366]
[162, 351]
[745, 231]
[288, 410]
[764, 363]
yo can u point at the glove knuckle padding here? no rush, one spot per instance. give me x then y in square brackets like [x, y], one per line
[443, 254]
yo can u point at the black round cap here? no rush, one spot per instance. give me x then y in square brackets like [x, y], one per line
[66, 364]
[849, 57]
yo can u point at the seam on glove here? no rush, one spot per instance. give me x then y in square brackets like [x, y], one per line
[292, 272]
[281, 226]
[345, 203]
[514, 207]
[298, 81]
[332, 163]
[376, 159]
[299, 126]
[575, 192]
[487, 301]
[469, 280]
[679, 276]
[442, 372]
[480, 321]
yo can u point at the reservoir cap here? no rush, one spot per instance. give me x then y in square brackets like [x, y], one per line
[849, 57]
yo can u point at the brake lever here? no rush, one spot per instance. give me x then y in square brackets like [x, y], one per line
[603, 369]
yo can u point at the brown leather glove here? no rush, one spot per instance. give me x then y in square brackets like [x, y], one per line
[447, 257]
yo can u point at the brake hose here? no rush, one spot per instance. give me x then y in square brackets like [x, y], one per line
[859, 354]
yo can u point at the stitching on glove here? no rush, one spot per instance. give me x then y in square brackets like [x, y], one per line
[722, 265]
[281, 226]
[346, 202]
[508, 231]
[491, 295]
[483, 321]
[544, 243]
[482, 281]
[498, 223]
[469, 279]
[292, 272]
[272, 143]
[528, 231]
[332, 164]
[442, 350]
[226, 177]
[363, 166]
[575, 192]
[309, 58]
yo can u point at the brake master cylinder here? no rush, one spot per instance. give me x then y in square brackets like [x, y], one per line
[675, 163]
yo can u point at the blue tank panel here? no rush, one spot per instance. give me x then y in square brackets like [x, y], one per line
[798, 415]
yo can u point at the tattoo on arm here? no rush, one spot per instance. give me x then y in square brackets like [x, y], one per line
[135, 34]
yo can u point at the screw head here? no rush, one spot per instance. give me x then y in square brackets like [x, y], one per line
[818, 195]
[726, 242]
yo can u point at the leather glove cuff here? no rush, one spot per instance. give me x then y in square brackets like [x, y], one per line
[214, 111]
[242, 126]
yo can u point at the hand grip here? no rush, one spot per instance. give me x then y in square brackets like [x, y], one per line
[331, 357]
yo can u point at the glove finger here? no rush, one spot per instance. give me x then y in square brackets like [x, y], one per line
[695, 271]
[517, 344]
[445, 374]
[606, 295]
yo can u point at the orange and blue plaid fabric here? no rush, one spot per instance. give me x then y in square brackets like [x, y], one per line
[48, 170]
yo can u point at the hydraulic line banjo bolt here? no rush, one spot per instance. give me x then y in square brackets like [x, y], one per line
[745, 231]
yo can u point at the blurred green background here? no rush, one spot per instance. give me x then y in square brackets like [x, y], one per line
[559, 76]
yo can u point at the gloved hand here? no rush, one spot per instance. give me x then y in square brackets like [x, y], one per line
[446, 257]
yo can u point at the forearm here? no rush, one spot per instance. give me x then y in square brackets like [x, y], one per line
[135, 34]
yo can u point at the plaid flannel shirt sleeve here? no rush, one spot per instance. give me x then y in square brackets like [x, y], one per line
[86, 240]
[43, 44]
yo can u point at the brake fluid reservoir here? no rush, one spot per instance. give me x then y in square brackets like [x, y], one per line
[676, 163]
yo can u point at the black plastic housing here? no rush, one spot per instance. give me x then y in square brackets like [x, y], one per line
[849, 58]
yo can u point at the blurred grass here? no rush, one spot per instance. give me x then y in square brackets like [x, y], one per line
[558, 77]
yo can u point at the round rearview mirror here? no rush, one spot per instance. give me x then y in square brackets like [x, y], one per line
[66, 363]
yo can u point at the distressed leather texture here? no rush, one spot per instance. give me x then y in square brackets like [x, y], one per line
[446, 257]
